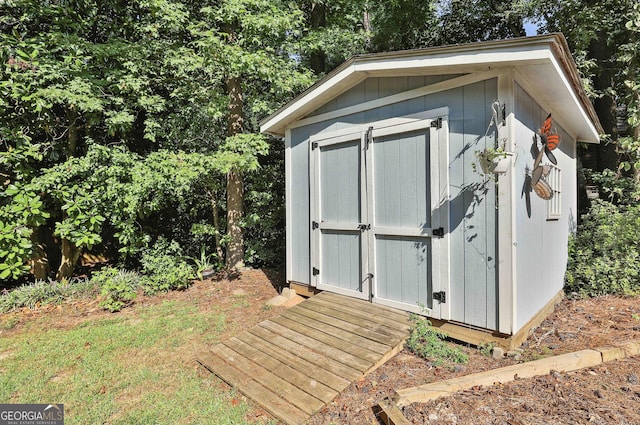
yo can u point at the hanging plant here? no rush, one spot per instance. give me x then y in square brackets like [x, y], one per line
[494, 160]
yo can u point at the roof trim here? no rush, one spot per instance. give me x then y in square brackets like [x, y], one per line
[456, 59]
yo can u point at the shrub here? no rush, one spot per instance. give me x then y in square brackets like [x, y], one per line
[429, 343]
[165, 269]
[604, 255]
[117, 287]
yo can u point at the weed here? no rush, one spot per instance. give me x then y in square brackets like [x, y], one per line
[429, 343]
[635, 316]
[486, 348]
[117, 287]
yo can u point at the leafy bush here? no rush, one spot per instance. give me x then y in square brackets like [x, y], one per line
[164, 268]
[604, 255]
[429, 343]
[117, 287]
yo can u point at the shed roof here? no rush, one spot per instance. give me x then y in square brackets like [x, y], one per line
[544, 61]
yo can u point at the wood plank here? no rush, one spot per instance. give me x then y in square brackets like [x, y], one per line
[362, 305]
[283, 370]
[302, 289]
[306, 353]
[320, 321]
[312, 370]
[360, 356]
[393, 318]
[370, 327]
[278, 407]
[390, 414]
[277, 385]
[379, 317]
[388, 355]
[471, 335]
[524, 332]
[319, 347]
[363, 319]
[359, 326]
[561, 363]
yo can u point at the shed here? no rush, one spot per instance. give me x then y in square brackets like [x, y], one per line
[386, 194]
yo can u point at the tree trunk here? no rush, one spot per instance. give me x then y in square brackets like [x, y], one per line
[235, 196]
[605, 106]
[235, 246]
[70, 255]
[39, 263]
[317, 59]
[69, 251]
[216, 221]
[72, 139]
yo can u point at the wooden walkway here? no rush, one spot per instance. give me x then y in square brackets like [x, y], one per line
[296, 363]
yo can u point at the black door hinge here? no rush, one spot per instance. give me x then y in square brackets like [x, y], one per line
[440, 296]
[437, 123]
[315, 272]
[439, 232]
[314, 225]
[314, 145]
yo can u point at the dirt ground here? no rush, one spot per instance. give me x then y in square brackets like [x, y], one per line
[608, 394]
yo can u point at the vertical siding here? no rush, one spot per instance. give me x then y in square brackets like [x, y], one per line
[541, 252]
[472, 209]
[479, 228]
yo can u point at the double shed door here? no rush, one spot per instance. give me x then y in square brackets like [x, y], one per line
[379, 211]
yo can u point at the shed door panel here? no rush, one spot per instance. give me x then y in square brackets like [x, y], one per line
[339, 210]
[404, 177]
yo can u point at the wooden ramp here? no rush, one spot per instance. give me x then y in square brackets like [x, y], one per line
[296, 363]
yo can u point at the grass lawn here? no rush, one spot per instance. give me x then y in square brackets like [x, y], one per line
[136, 366]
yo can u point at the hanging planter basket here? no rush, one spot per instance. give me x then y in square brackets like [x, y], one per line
[494, 161]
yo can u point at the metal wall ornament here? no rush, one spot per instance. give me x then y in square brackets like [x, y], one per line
[549, 139]
[545, 140]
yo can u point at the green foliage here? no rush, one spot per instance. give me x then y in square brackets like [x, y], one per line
[44, 293]
[604, 256]
[20, 211]
[164, 268]
[117, 287]
[486, 348]
[430, 343]
[205, 262]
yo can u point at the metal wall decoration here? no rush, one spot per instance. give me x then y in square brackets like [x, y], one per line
[545, 140]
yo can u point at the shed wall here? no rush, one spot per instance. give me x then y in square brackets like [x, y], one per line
[473, 292]
[541, 243]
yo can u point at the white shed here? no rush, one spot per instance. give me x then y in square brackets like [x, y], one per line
[386, 196]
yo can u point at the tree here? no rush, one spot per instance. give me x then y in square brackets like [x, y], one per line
[245, 44]
[602, 38]
[80, 80]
